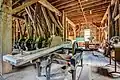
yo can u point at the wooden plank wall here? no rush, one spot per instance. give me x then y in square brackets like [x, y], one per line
[113, 22]
[112, 19]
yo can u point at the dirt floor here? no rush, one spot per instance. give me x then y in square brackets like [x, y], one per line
[27, 73]
[95, 62]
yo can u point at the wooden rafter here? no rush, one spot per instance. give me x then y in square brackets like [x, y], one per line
[55, 1]
[31, 17]
[70, 22]
[91, 16]
[16, 2]
[90, 19]
[64, 3]
[86, 11]
[75, 4]
[68, 5]
[46, 4]
[54, 20]
[26, 4]
[117, 17]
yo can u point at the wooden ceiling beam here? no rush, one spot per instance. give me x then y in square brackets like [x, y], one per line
[45, 3]
[92, 9]
[99, 4]
[98, 20]
[65, 3]
[87, 12]
[82, 22]
[68, 5]
[74, 8]
[88, 16]
[88, 19]
[75, 3]
[54, 1]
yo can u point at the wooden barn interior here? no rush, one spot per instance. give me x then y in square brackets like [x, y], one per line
[59, 39]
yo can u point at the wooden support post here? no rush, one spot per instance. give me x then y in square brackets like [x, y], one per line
[100, 34]
[73, 26]
[13, 32]
[16, 30]
[112, 23]
[68, 25]
[53, 29]
[64, 25]
[66, 29]
[109, 23]
[5, 33]
[74, 31]
[117, 21]
[119, 17]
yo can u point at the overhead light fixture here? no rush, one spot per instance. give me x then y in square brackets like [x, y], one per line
[90, 11]
[86, 0]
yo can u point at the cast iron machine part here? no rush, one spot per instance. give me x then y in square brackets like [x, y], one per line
[73, 60]
[76, 58]
[114, 40]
